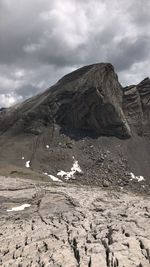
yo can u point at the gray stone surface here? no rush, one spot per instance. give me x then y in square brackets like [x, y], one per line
[72, 226]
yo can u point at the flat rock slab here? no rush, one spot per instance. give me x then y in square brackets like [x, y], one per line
[72, 226]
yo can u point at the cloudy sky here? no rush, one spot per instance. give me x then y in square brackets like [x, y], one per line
[41, 40]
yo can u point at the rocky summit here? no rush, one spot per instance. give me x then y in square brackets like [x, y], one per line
[88, 100]
[74, 174]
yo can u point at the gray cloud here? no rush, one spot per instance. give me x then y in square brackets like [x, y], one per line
[129, 51]
[42, 40]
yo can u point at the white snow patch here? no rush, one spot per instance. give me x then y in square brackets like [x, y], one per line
[22, 157]
[55, 179]
[138, 178]
[70, 175]
[47, 146]
[28, 164]
[61, 173]
[19, 208]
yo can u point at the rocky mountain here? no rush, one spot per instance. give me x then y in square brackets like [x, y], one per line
[85, 120]
[74, 174]
[89, 99]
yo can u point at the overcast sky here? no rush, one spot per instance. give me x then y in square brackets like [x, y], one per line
[41, 40]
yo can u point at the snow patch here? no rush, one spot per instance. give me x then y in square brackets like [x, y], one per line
[19, 208]
[70, 175]
[55, 179]
[47, 146]
[22, 157]
[27, 164]
[138, 178]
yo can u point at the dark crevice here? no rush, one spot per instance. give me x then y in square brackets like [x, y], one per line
[76, 251]
[90, 262]
[107, 251]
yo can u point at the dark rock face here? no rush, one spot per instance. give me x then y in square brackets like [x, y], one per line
[89, 99]
[133, 108]
[144, 92]
[96, 103]
[136, 105]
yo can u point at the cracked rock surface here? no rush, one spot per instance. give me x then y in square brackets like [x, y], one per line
[72, 226]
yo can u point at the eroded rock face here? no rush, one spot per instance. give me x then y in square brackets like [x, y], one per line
[133, 108]
[95, 104]
[144, 92]
[136, 105]
[89, 99]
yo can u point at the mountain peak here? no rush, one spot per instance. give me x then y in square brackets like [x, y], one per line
[85, 117]
[88, 99]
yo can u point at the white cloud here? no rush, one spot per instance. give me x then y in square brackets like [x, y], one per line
[43, 40]
[7, 100]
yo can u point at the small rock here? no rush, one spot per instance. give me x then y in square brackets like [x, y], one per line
[69, 145]
[106, 183]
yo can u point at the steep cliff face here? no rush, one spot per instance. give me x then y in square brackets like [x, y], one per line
[144, 92]
[133, 109]
[89, 99]
[136, 105]
[93, 103]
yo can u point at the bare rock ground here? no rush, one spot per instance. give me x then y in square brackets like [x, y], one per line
[72, 226]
